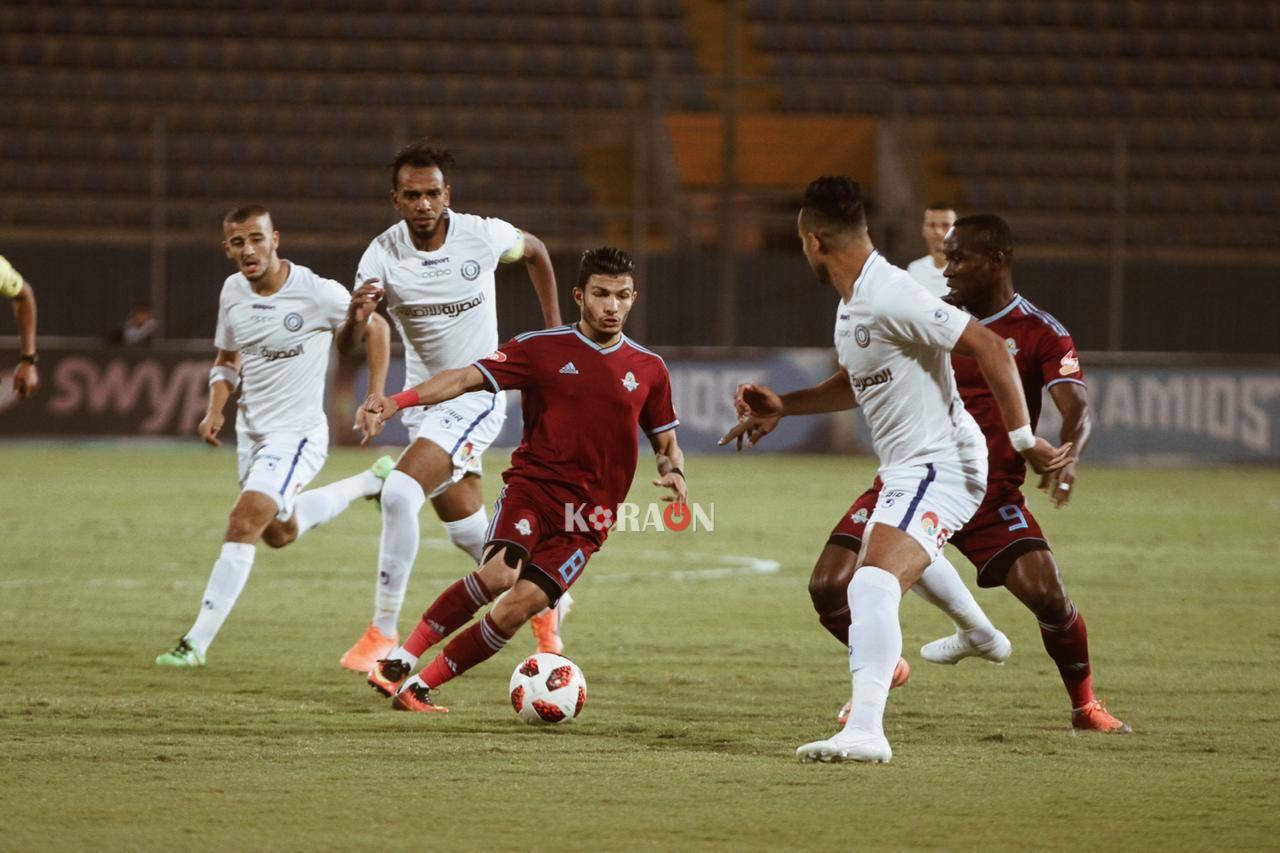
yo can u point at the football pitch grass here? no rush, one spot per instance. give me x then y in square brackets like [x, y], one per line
[705, 665]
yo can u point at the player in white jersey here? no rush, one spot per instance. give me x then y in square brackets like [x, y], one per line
[938, 219]
[26, 379]
[894, 342]
[436, 270]
[276, 325]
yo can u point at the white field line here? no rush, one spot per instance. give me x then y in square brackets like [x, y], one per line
[717, 566]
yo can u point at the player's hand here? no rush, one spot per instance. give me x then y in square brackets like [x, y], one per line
[210, 427]
[364, 300]
[1059, 484]
[674, 481]
[1043, 457]
[757, 400]
[26, 380]
[374, 412]
[367, 422]
[752, 428]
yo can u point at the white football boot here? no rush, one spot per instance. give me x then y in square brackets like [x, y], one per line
[957, 647]
[848, 744]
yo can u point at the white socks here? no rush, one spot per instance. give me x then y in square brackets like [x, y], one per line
[225, 583]
[402, 500]
[875, 642]
[317, 506]
[468, 533]
[398, 653]
[941, 586]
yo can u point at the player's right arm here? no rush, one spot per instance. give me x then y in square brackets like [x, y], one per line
[1001, 373]
[224, 377]
[445, 385]
[759, 408]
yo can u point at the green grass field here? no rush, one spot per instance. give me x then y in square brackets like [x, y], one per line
[704, 674]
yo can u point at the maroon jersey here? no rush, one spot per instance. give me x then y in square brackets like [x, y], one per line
[1045, 355]
[581, 405]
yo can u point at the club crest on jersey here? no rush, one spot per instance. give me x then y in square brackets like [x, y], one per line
[1012, 346]
[862, 336]
[522, 527]
[496, 355]
[293, 321]
[629, 381]
[929, 521]
[860, 517]
[470, 270]
[1070, 364]
[941, 315]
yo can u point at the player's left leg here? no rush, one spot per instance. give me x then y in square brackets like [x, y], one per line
[318, 506]
[1034, 580]
[477, 644]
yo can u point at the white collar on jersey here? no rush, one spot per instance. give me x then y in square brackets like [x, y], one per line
[622, 339]
[1013, 303]
[862, 273]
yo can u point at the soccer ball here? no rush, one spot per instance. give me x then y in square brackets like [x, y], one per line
[547, 688]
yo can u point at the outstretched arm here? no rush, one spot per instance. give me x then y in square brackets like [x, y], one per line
[759, 409]
[670, 466]
[26, 379]
[1001, 373]
[445, 385]
[538, 263]
[1072, 400]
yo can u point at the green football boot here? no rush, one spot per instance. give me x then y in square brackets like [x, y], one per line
[184, 654]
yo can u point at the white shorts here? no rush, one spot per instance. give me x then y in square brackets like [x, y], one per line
[930, 502]
[281, 464]
[463, 427]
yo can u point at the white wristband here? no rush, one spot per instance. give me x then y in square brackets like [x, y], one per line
[1022, 438]
[222, 373]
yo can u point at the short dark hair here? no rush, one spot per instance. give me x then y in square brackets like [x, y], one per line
[940, 205]
[421, 154]
[835, 204]
[990, 233]
[604, 260]
[244, 212]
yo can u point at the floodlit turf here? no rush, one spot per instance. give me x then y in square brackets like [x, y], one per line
[702, 685]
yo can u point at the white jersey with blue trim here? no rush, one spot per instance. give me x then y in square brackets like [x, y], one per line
[894, 340]
[442, 302]
[284, 341]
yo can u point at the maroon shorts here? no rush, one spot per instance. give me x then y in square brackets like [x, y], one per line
[1000, 532]
[530, 519]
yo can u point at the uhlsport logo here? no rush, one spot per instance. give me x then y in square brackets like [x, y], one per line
[640, 518]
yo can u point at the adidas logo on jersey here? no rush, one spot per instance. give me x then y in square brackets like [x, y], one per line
[569, 368]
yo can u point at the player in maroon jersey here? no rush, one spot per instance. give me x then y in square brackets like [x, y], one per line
[1003, 539]
[584, 388]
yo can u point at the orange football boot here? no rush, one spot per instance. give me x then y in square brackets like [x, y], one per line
[901, 673]
[1095, 718]
[386, 676]
[546, 630]
[417, 698]
[368, 650]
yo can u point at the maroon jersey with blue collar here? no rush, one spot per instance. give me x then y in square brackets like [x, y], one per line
[581, 404]
[1045, 355]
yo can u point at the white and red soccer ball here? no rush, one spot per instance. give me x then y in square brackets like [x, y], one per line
[547, 688]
